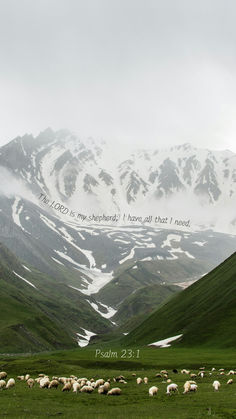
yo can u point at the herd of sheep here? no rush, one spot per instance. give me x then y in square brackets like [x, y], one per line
[84, 385]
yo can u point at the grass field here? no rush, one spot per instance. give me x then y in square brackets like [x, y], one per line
[21, 402]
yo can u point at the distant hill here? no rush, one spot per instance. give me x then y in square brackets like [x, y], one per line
[142, 302]
[204, 313]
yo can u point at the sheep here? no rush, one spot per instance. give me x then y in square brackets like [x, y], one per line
[30, 382]
[106, 385]
[231, 372]
[139, 380]
[82, 379]
[67, 387]
[37, 380]
[145, 380]
[83, 383]
[184, 371]
[187, 387]
[2, 384]
[53, 384]
[169, 381]
[11, 383]
[21, 377]
[175, 371]
[99, 382]
[86, 389]
[153, 390]
[119, 379]
[216, 385]
[158, 375]
[116, 391]
[62, 380]
[27, 376]
[193, 387]
[193, 375]
[230, 381]
[172, 388]
[164, 372]
[3, 375]
[76, 387]
[104, 388]
[44, 382]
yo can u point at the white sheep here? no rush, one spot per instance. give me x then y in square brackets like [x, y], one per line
[116, 391]
[30, 382]
[2, 384]
[99, 382]
[53, 384]
[67, 387]
[193, 387]
[153, 390]
[187, 387]
[231, 372]
[44, 382]
[86, 389]
[11, 383]
[171, 388]
[230, 381]
[3, 375]
[139, 380]
[27, 376]
[216, 385]
[62, 380]
[184, 371]
[76, 387]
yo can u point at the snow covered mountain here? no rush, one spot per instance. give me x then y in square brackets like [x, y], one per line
[92, 178]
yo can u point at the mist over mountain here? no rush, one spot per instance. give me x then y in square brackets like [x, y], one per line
[91, 177]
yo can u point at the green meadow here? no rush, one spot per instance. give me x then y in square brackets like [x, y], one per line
[134, 402]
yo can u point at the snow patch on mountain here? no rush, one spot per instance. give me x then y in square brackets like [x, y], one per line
[170, 237]
[165, 343]
[83, 340]
[28, 282]
[110, 311]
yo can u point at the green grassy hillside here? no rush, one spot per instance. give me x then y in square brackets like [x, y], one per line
[205, 313]
[42, 318]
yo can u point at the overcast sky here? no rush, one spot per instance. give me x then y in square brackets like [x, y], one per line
[149, 72]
